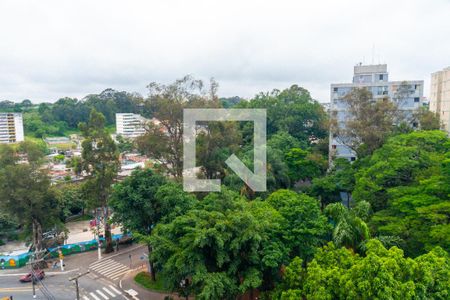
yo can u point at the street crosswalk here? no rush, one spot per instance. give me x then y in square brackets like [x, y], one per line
[104, 293]
[109, 268]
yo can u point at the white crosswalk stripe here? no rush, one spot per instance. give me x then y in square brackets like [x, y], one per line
[115, 290]
[94, 296]
[111, 291]
[109, 268]
[103, 295]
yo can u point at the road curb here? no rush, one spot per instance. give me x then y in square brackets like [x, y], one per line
[119, 253]
[132, 293]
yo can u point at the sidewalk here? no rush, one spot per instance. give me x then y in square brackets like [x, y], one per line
[75, 262]
[79, 231]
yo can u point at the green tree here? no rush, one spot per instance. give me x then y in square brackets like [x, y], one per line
[406, 182]
[303, 227]
[163, 140]
[338, 273]
[418, 215]
[70, 198]
[277, 172]
[25, 191]
[8, 226]
[427, 119]
[370, 123]
[230, 101]
[404, 160]
[100, 160]
[124, 144]
[340, 179]
[304, 165]
[221, 248]
[293, 111]
[349, 230]
[215, 143]
[145, 199]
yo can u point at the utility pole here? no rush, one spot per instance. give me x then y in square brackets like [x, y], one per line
[31, 263]
[33, 277]
[76, 282]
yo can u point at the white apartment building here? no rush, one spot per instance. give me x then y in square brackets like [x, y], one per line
[11, 128]
[440, 96]
[130, 125]
[376, 79]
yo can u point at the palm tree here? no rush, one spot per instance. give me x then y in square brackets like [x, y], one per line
[350, 230]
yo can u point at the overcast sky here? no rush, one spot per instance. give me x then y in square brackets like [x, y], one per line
[52, 49]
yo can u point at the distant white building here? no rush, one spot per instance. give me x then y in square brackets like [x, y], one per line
[130, 125]
[375, 79]
[11, 128]
[440, 96]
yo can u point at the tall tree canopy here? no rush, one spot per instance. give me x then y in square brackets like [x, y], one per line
[407, 181]
[292, 110]
[338, 273]
[303, 226]
[100, 160]
[223, 247]
[145, 199]
[404, 160]
[163, 140]
[368, 122]
[25, 191]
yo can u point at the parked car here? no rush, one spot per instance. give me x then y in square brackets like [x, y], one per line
[38, 275]
[49, 235]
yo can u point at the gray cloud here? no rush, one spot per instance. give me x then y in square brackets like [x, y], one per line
[50, 49]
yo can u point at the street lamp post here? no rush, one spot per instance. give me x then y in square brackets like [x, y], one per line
[129, 256]
[98, 236]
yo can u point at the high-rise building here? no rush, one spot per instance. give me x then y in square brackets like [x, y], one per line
[440, 96]
[376, 79]
[130, 125]
[11, 128]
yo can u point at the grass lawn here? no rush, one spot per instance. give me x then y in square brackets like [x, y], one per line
[144, 279]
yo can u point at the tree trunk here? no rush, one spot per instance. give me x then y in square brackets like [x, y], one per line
[152, 267]
[37, 243]
[108, 236]
[37, 235]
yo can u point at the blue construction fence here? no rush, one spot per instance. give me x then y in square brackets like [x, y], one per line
[18, 261]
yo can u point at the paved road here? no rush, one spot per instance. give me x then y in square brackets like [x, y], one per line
[59, 286]
[114, 267]
[100, 284]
